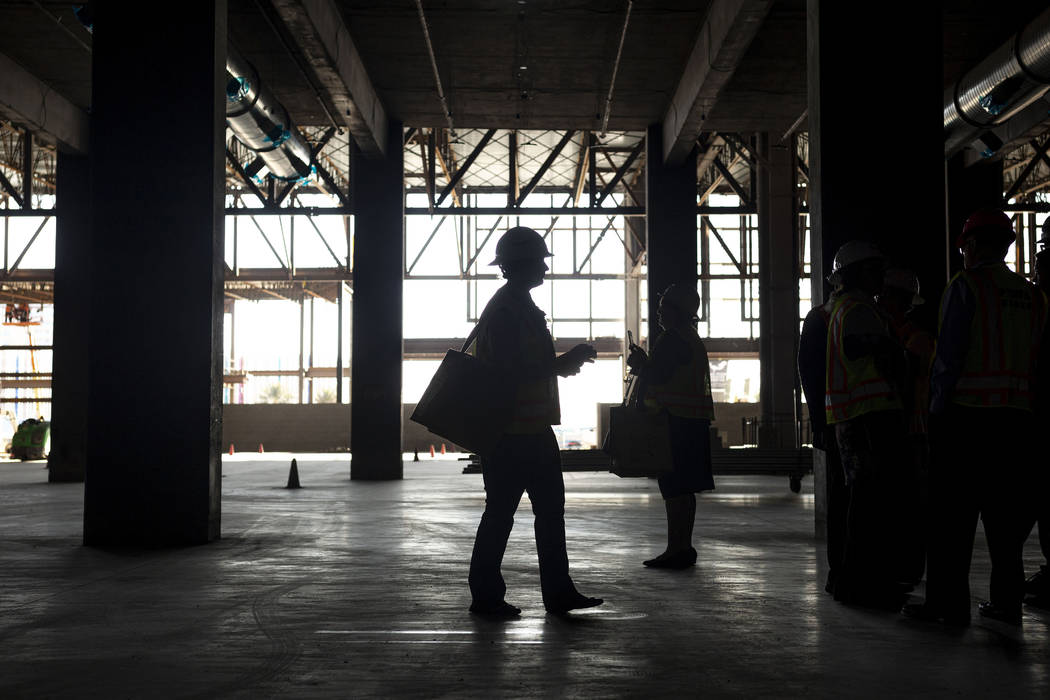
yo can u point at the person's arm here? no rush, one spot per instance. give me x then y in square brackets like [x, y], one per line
[953, 341]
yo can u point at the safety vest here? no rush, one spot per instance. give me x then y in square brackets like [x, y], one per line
[1005, 333]
[536, 403]
[688, 392]
[853, 387]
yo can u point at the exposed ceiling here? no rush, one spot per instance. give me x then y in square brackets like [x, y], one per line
[515, 64]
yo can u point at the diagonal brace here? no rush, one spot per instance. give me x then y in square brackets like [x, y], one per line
[466, 165]
[624, 169]
[545, 167]
[728, 177]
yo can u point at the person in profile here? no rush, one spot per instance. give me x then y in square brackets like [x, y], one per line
[512, 336]
[677, 378]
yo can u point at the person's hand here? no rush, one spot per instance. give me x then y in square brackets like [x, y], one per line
[637, 359]
[570, 363]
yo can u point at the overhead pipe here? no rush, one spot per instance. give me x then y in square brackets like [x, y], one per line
[261, 122]
[1014, 76]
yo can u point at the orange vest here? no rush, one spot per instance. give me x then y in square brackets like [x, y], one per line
[1005, 334]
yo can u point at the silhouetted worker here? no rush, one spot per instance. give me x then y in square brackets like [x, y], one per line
[900, 294]
[863, 402]
[981, 403]
[1037, 587]
[9, 313]
[677, 378]
[513, 336]
[812, 371]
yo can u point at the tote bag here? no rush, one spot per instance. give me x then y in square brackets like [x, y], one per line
[467, 402]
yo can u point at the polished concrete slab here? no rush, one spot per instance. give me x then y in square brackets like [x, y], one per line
[357, 589]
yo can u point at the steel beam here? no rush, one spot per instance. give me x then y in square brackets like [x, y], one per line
[744, 195]
[27, 100]
[720, 45]
[317, 27]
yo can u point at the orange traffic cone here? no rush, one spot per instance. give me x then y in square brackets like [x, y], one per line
[431, 450]
[231, 449]
[260, 448]
[442, 448]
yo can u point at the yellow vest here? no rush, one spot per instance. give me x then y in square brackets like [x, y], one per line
[1005, 334]
[688, 392]
[854, 387]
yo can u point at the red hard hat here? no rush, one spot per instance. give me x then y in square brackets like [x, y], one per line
[987, 222]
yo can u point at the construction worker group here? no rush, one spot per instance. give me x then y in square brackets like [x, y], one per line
[924, 431]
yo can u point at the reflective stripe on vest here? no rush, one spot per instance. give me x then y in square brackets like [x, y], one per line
[688, 393]
[854, 387]
[1007, 326]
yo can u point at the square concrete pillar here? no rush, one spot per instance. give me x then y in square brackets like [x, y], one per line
[778, 291]
[155, 344]
[377, 194]
[670, 221]
[876, 143]
[69, 382]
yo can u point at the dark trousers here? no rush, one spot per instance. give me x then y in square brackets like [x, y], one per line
[871, 449]
[980, 468]
[521, 464]
[837, 504]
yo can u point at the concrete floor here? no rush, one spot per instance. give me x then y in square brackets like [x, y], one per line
[355, 589]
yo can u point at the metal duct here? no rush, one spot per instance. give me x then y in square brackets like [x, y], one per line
[1011, 78]
[261, 122]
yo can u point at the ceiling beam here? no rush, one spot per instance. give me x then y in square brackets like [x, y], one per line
[320, 33]
[27, 101]
[723, 40]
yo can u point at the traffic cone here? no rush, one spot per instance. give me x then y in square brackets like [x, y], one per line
[231, 449]
[260, 448]
[293, 477]
[431, 450]
[442, 448]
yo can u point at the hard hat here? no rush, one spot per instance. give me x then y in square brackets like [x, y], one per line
[987, 222]
[851, 253]
[682, 297]
[899, 278]
[520, 243]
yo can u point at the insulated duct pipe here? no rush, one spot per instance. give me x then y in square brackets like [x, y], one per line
[1011, 78]
[261, 122]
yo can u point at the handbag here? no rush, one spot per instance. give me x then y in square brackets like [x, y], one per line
[467, 402]
[639, 440]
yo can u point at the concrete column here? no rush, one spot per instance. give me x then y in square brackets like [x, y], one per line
[69, 383]
[969, 187]
[155, 348]
[778, 291]
[858, 90]
[869, 105]
[377, 192]
[670, 221]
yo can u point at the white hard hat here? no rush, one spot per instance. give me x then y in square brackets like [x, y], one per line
[900, 278]
[851, 253]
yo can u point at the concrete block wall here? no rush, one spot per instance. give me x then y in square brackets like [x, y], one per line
[307, 428]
